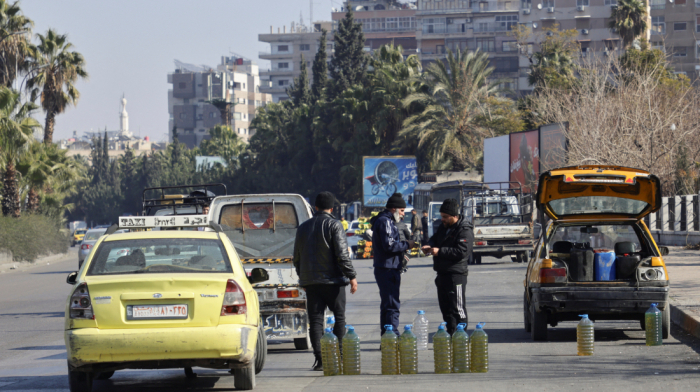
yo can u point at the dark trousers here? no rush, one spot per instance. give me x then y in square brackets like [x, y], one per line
[452, 299]
[318, 297]
[389, 282]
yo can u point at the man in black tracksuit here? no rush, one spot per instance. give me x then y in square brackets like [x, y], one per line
[451, 247]
[322, 261]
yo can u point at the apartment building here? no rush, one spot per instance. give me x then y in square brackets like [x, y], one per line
[676, 31]
[384, 22]
[286, 50]
[235, 81]
[469, 25]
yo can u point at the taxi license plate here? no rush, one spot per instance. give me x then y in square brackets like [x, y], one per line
[160, 312]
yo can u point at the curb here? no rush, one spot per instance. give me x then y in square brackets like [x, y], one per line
[686, 320]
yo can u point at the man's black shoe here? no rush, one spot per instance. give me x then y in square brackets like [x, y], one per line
[318, 365]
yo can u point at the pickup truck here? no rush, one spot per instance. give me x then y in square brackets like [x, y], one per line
[502, 224]
[262, 228]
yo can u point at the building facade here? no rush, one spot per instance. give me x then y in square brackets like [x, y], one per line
[676, 31]
[203, 97]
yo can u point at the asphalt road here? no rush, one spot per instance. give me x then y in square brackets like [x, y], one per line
[33, 357]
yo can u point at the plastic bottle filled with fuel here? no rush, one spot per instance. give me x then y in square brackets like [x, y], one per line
[584, 335]
[351, 352]
[408, 351]
[442, 350]
[390, 351]
[460, 350]
[420, 329]
[652, 326]
[479, 341]
[330, 355]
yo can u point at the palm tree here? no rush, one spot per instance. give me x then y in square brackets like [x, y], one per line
[16, 134]
[629, 19]
[15, 48]
[55, 72]
[553, 65]
[451, 101]
[225, 143]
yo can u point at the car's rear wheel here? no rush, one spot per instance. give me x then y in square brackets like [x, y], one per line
[514, 258]
[303, 343]
[666, 322]
[79, 381]
[522, 257]
[104, 375]
[260, 350]
[539, 325]
[244, 378]
[189, 373]
[477, 259]
[526, 313]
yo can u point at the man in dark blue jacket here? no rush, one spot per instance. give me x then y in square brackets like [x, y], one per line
[388, 252]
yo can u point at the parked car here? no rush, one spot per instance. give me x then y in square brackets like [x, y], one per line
[596, 256]
[91, 237]
[352, 238]
[78, 236]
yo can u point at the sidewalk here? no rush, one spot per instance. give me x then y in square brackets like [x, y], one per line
[684, 273]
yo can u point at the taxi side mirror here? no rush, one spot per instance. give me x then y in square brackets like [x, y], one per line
[72, 278]
[663, 250]
[258, 275]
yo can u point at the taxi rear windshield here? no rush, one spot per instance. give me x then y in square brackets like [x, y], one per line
[162, 255]
[261, 230]
[597, 205]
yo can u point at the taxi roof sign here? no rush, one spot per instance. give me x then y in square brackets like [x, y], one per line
[142, 222]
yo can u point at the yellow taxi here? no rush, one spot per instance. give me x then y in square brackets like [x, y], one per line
[78, 236]
[596, 255]
[163, 299]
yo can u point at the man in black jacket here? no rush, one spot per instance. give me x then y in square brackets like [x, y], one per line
[424, 224]
[323, 264]
[451, 247]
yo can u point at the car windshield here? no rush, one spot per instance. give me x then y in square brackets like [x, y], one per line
[159, 255]
[435, 212]
[94, 235]
[355, 225]
[80, 231]
[598, 237]
[597, 205]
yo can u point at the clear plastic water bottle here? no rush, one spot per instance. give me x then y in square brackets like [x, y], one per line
[351, 352]
[442, 349]
[652, 326]
[390, 351]
[479, 361]
[330, 354]
[408, 351]
[330, 322]
[420, 328]
[460, 350]
[585, 335]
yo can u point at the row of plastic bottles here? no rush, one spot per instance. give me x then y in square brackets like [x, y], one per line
[330, 353]
[461, 353]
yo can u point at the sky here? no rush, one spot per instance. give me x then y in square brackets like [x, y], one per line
[129, 47]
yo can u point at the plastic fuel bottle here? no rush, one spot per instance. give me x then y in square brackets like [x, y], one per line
[330, 322]
[460, 350]
[420, 328]
[652, 326]
[390, 351]
[584, 335]
[351, 352]
[479, 341]
[330, 354]
[408, 351]
[442, 349]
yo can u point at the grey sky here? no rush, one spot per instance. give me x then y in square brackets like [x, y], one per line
[130, 45]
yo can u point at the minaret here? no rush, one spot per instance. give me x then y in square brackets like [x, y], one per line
[124, 120]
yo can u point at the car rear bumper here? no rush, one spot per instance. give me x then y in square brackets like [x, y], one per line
[224, 346]
[630, 301]
[501, 249]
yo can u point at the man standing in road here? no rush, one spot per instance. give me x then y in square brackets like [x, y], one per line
[415, 225]
[451, 247]
[388, 253]
[424, 227]
[323, 264]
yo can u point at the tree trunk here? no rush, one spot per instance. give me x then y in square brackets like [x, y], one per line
[10, 196]
[33, 200]
[48, 128]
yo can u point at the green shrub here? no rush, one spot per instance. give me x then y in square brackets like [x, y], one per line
[31, 236]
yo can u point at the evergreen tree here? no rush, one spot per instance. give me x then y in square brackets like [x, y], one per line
[349, 62]
[177, 148]
[320, 68]
[299, 91]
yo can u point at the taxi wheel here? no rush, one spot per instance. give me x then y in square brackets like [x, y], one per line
[244, 378]
[666, 322]
[303, 343]
[79, 381]
[523, 257]
[539, 325]
[260, 350]
[104, 375]
[477, 259]
[189, 373]
[526, 314]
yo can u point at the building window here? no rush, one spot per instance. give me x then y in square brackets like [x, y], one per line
[486, 44]
[680, 2]
[186, 100]
[201, 131]
[283, 82]
[283, 48]
[526, 4]
[679, 52]
[548, 4]
[657, 4]
[582, 3]
[510, 46]
[182, 85]
[697, 24]
[610, 2]
[679, 26]
[304, 47]
[658, 26]
[183, 116]
[212, 114]
[506, 23]
[283, 65]
[434, 25]
[236, 116]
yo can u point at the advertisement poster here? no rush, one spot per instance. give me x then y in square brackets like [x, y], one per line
[383, 176]
[524, 159]
[552, 147]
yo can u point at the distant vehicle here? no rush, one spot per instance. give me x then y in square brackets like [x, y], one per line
[353, 238]
[428, 196]
[78, 235]
[89, 241]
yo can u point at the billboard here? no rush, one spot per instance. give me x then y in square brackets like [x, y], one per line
[383, 176]
[552, 147]
[495, 167]
[524, 159]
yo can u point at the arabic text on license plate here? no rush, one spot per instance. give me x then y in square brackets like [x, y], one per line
[159, 311]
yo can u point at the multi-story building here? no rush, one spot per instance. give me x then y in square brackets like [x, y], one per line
[286, 50]
[469, 25]
[235, 83]
[676, 30]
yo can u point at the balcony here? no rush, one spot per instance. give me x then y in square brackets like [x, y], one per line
[277, 72]
[494, 27]
[495, 6]
[272, 56]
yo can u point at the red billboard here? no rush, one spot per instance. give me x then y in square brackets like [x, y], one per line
[525, 159]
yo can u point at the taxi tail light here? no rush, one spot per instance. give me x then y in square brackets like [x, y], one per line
[287, 293]
[80, 304]
[480, 243]
[553, 275]
[234, 299]
[85, 246]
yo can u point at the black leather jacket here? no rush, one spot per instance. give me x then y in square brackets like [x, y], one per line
[321, 252]
[455, 247]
